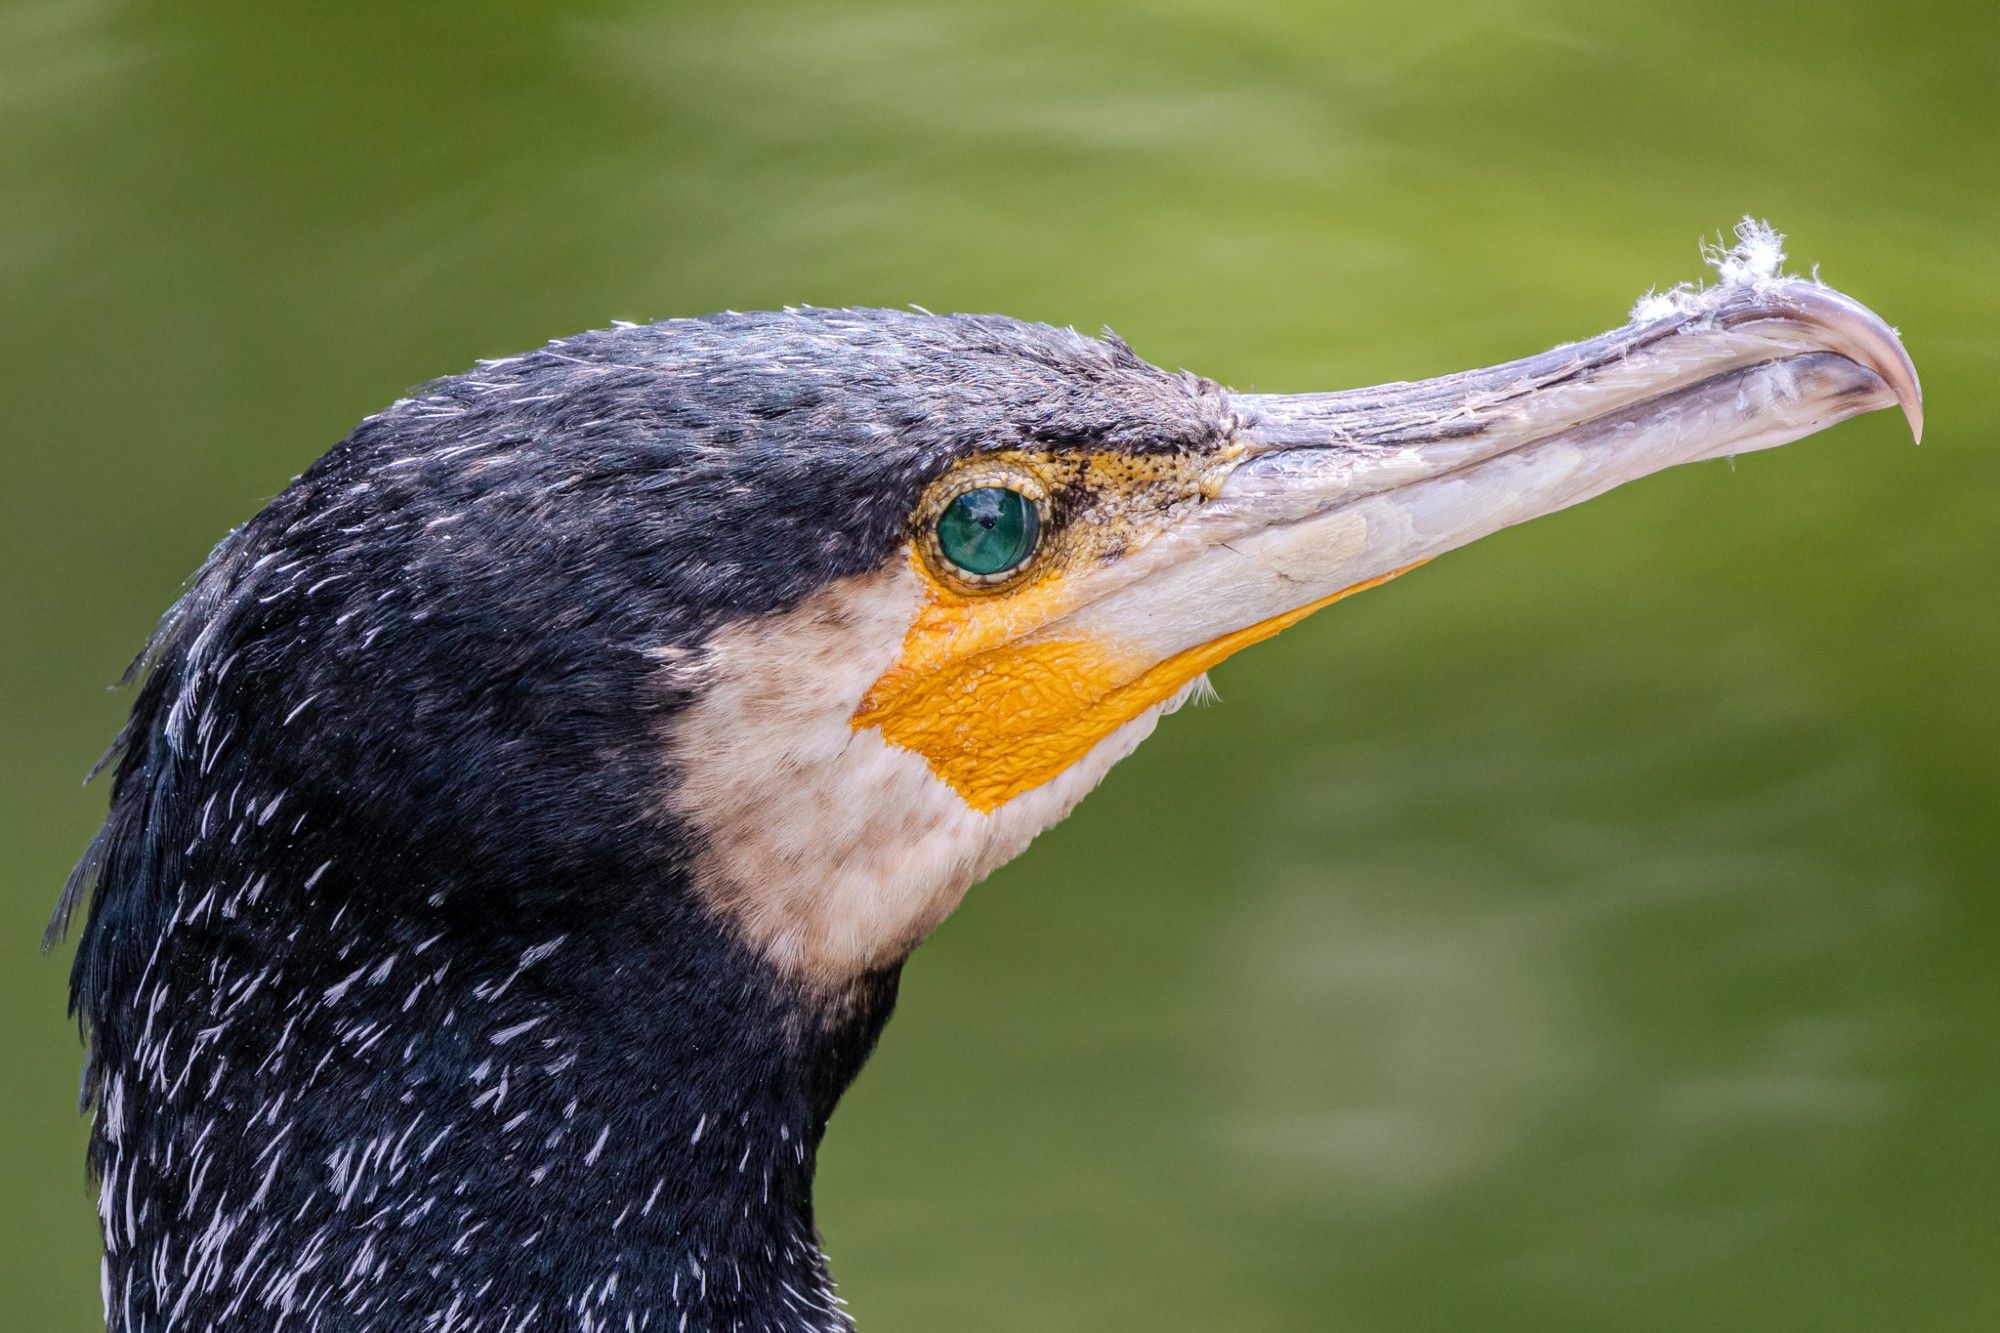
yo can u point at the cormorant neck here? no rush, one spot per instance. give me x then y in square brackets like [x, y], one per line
[367, 1124]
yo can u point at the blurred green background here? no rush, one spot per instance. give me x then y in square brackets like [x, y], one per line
[1593, 931]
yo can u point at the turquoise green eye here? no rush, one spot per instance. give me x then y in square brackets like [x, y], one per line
[989, 530]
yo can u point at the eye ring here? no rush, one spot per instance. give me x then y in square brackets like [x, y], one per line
[985, 526]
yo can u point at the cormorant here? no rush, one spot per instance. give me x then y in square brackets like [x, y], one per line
[524, 818]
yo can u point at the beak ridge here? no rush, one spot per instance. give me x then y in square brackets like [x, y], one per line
[1713, 334]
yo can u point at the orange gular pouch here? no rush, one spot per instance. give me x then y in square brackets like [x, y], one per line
[996, 706]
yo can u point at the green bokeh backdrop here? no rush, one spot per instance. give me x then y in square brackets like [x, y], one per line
[1593, 931]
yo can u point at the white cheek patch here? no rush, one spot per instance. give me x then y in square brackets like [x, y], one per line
[832, 851]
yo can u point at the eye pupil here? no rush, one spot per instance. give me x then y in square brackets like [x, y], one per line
[989, 530]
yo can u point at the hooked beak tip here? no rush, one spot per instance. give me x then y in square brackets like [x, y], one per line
[1845, 326]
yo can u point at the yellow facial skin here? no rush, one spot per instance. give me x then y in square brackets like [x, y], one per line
[992, 690]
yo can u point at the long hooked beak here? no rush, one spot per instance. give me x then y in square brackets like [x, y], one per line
[1326, 493]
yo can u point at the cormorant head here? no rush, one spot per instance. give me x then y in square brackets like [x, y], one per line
[523, 817]
[1039, 544]
[820, 615]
